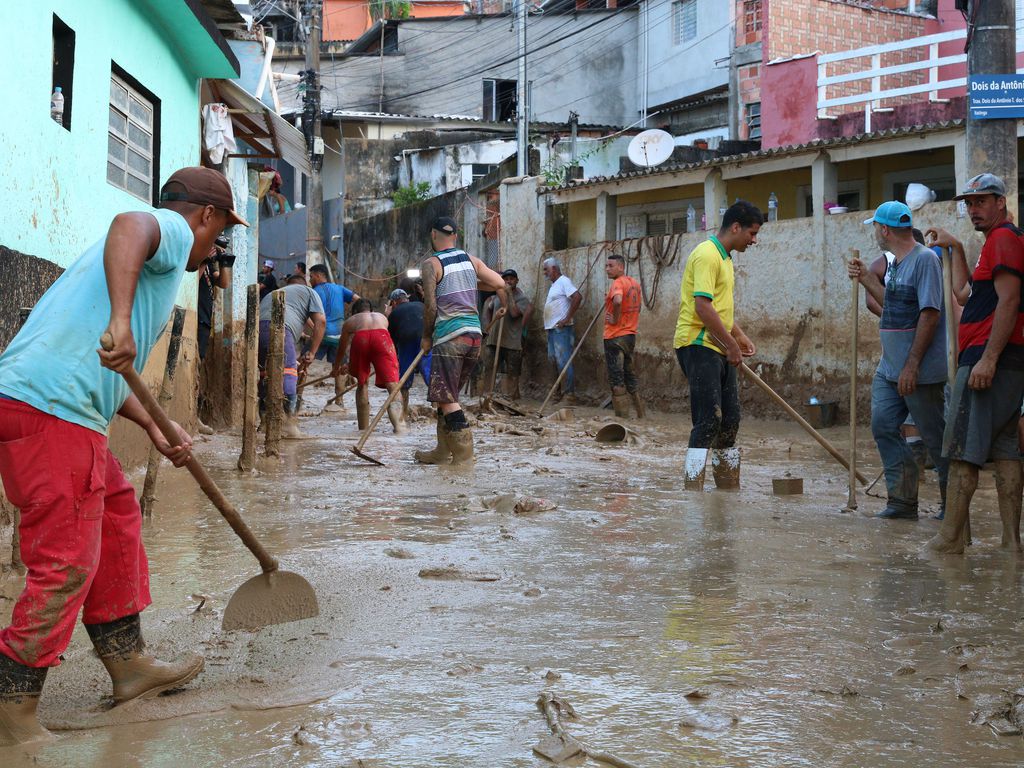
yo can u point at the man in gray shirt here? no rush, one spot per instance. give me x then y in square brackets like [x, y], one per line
[911, 375]
[300, 304]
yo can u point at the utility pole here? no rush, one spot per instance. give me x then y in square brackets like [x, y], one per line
[992, 144]
[522, 107]
[311, 109]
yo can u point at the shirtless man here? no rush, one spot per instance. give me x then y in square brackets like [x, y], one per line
[367, 333]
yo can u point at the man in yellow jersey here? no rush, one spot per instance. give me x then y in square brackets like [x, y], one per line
[710, 347]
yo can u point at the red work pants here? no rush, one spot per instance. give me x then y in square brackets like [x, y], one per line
[81, 532]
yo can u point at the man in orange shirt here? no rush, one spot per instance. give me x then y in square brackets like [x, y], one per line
[621, 316]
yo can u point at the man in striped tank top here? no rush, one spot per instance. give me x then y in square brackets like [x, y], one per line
[451, 328]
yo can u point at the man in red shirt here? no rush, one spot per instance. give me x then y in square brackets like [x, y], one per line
[621, 317]
[981, 424]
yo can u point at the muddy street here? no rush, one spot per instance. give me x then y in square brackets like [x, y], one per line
[716, 628]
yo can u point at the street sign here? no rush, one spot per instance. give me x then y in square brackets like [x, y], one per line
[995, 96]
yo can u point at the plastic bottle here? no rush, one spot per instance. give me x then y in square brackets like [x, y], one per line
[691, 218]
[57, 106]
[773, 207]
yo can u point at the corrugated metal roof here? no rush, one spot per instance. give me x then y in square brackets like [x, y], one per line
[258, 125]
[351, 114]
[764, 153]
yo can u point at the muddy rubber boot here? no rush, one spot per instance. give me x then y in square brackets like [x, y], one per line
[952, 535]
[1008, 491]
[461, 444]
[725, 468]
[442, 453]
[570, 399]
[694, 468]
[512, 387]
[638, 404]
[135, 674]
[620, 402]
[363, 408]
[20, 687]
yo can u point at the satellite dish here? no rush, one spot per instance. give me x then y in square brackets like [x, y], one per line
[651, 148]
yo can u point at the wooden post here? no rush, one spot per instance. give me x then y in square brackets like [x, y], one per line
[250, 407]
[274, 411]
[166, 394]
[851, 501]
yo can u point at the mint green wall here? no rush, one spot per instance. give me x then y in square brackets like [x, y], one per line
[55, 199]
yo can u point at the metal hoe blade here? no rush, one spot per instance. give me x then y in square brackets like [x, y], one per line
[270, 598]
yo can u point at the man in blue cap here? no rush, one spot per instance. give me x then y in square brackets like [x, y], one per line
[911, 375]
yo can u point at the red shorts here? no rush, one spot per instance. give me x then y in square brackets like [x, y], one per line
[373, 347]
[80, 528]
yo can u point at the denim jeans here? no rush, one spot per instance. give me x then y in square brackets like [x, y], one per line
[618, 357]
[714, 397]
[561, 342]
[888, 412]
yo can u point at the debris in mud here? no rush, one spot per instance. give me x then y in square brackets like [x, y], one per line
[904, 670]
[560, 745]
[937, 627]
[399, 553]
[551, 676]
[696, 693]
[1004, 715]
[451, 573]
[963, 649]
[845, 690]
[532, 592]
[510, 504]
[461, 670]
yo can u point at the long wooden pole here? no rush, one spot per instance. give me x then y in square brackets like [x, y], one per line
[166, 395]
[274, 411]
[250, 393]
[851, 501]
[497, 356]
[561, 374]
[947, 305]
[357, 449]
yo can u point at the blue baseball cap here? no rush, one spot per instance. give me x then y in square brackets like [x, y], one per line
[892, 214]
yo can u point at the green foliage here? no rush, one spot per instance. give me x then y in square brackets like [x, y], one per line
[414, 193]
[554, 170]
[390, 9]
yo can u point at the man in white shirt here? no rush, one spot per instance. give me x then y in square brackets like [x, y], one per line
[562, 302]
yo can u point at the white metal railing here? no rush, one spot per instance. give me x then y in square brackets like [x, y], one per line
[873, 97]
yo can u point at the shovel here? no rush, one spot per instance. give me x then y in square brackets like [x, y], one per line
[357, 449]
[273, 597]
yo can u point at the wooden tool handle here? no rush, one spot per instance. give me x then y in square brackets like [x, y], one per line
[497, 356]
[213, 493]
[317, 380]
[799, 419]
[947, 305]
[851, 501]
[391, 398]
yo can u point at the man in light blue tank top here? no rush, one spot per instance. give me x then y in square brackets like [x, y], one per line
[81, 526]
[451, 332]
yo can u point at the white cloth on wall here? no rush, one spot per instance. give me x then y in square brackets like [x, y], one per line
[218, 133]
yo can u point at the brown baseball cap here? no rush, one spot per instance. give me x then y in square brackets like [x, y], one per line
[203, 186]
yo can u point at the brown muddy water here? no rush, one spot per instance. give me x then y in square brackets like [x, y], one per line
[711, 629]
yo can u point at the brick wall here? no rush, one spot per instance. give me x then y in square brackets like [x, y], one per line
[805, 26]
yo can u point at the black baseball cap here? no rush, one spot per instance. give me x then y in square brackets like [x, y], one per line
[445, 224]
[510, 273]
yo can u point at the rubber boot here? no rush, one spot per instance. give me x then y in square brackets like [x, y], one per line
[952, 535]
[638, 404]
[570, 399]
[395, 413]
[135, 674]
[363, 407]
[461, 444]
[290, 426]
[725, 467]
[1008, 491]
[620, 402]
[694, 468]
[442, 453]
[512, 387]
[20, 687]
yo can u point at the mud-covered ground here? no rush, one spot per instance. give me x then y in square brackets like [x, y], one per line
[714, 629]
